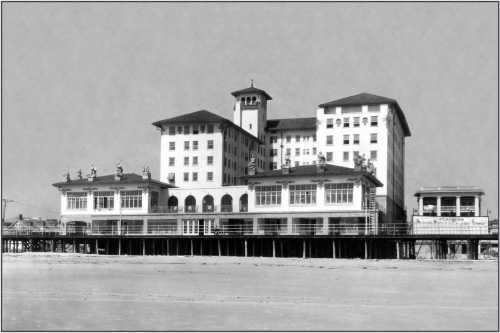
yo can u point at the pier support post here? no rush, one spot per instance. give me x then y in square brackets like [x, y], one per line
[218, 247]
[107, 246]
[478, 249]
[201, 246]
[143, 247]
[274, 249]
[74, 246]
[96, 246]
[303, 248]
[119, 246]
[246, 248]
[168, 248]
[397, 249]
[191, 244]
[177, 247]
[366, 249]
[333, 249]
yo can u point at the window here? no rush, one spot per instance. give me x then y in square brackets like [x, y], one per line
[356, 122]
[77, 200]
[314, 138]
[249, 126]
[297, 138]
[195, 176]
[186, 145]
[171, 176]
[346, 122]
[303, 194]
[373, 138]
[338, 193]
[195, 160]
[210, 176]
[288, 151]
[210, 144]
[195, 145]
[104, 200]
[186, 176]
[346, 139]
[329, 123]
[314, 151]
[329, 139]
[274, 165]
[305, 151]
[355, 139]
[274, 152]
[171, 161]
[186, 129]
[273, 139]
[268, 195]
[210, 128]
[373, 121]
[373, 155]
[131, 199]
[195, 129]
[297, 151]
[296, 163]
[329, 156]
[186, 160]
[355, 154]
[288, 139]
[171, 145]
[210, 160]
[171, 130]
[346, 156]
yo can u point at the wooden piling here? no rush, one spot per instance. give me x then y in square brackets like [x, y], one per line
[333, 249]
[218, 247]
[119, 246]
[303, 248]
[397, 249]
[274, 249]
[366, 249]
[168, 248]
[246, 248]
[191, 243]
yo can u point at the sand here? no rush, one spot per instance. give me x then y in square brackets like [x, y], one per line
[88, 292]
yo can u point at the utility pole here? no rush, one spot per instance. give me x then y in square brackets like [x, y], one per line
[4, 207]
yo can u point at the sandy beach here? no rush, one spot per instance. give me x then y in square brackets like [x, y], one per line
[87, 292]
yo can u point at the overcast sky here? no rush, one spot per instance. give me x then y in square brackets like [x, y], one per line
[82, 82]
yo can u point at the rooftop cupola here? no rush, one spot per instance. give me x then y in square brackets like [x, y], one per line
[250, 110]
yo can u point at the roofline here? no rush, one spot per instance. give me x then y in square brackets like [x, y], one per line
[449, 190]
[224, 121]
[372, 178]
[114, 182]
[292, 128]
[399, 111]
[237, 93]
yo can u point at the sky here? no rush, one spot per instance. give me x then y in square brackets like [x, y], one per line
[82, 82]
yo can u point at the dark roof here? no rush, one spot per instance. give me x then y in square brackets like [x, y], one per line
[449, 189]
[370, 99]
[251, 90]
[312, 170]
[128, 178]
[202, 116]
[291, 123]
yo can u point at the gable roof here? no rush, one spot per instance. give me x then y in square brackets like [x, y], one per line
[312, 170]
[128, 178]
[251, 90]
[370, 99]
[202, 116]
[291, 123]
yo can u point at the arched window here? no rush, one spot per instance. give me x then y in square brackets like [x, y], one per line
[208, 203]
[244, 203]
[248, 100]
[190, 204]
[254, 100]
[226, 203]
[172, 204]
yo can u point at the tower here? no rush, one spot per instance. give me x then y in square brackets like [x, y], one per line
[250, 110]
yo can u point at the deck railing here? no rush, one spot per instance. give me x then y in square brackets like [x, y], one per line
[305, 229]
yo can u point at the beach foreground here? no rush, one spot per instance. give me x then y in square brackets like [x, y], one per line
[88, 292]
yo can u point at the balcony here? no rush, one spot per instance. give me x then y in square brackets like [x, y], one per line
[226, 208]
[190, 209]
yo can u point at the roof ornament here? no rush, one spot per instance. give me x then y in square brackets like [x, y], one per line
[252, 166]
[119, 172]
[146, 173]
[358, 162]
[67, 177]
[286, 167]
[93, 173]
[79, 174]
[370, 167]
[321, 165]
[251, 83]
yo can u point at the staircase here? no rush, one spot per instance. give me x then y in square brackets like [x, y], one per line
[372, 212]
